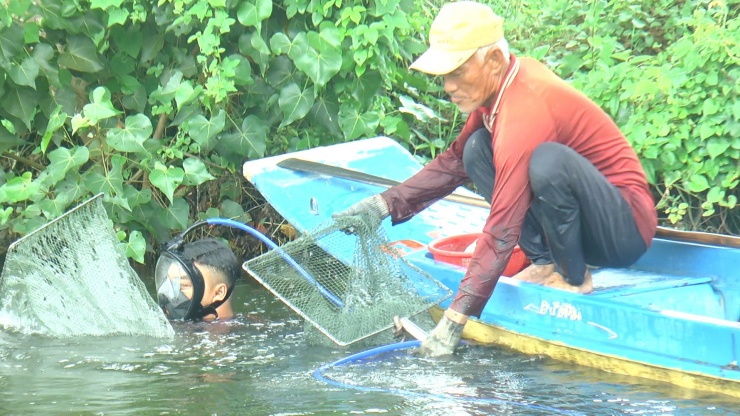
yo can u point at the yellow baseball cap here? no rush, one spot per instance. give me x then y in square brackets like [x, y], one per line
[457, 32]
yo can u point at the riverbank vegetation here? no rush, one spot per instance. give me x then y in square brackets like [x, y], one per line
[157, 103]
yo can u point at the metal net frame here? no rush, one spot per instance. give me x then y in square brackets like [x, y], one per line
[346, 279]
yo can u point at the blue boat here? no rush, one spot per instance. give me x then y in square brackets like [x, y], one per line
[672, 316]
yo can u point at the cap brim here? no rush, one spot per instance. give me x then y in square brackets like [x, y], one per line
[440, 62]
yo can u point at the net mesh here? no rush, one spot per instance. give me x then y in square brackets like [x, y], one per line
[70, 278]
[346, 279]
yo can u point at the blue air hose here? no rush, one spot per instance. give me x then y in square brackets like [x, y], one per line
[235, 224]
[318, 374]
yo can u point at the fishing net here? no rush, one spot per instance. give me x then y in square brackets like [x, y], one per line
[70, 278]
[346, 279]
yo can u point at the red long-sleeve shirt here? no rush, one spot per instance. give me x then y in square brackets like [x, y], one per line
[536, 107]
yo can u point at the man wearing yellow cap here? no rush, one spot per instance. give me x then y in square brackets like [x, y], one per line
[562, 180]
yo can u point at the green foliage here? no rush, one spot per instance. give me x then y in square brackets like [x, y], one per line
[679, 107]
[152, 101]
[144, 100]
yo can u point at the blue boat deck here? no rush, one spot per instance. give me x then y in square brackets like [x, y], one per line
[688, 294]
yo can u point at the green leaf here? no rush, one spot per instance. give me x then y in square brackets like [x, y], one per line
[100, 106]
[78, 122]
[105, 4]
[64, 160]
[243, 71]
[196, 172]
[25, 73]
[129, 41]
[250, 140]
[367, 88]
[294, 103]
[710, 106]
[152, 47]
[282, 72]
[210, 213]
[166, 179]
[108, 181]
[11, 43]
[325, 113]
[166, 93]
[56, 121]
[185, 93]
[717, 146]
[260, 45]
[420, 111]
[715, 194]
[20, 188]
[233, 211]
[736, 110]
[203, 130]
[22, 103]
[135, 101]
[356, 125]
[43, 54]
[131, 137]
[117, 17]
[71, 187]
[706, 131]
[8, 140]
[250, 14]
[280, 43]
[698, 183]
[136, 246]
[80, 55]
[5, 215]
[321, 59]
[176, 216]
[136, 197]
[52, 208]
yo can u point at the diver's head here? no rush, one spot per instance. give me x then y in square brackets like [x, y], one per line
[195, 280]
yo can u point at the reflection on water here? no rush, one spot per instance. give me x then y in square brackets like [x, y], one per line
[260, 364]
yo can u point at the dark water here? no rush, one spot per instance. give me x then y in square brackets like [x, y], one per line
[261, 364]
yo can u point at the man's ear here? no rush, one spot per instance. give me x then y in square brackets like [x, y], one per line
[220, 292]
[496, 59]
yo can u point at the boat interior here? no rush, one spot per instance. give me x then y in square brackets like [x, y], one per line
[674, 276]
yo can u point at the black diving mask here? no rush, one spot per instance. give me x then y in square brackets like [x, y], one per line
[180, 284]
[180, 287]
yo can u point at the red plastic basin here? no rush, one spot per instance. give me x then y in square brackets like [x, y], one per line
[452, 250]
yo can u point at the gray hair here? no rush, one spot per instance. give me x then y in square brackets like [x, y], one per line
[501, 44]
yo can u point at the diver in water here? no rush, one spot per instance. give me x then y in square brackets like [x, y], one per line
[195, 280]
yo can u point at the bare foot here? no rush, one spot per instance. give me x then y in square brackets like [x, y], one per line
[557, 281]
[535, 273]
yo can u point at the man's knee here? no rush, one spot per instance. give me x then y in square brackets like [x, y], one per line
[546, 167]
[477, 151]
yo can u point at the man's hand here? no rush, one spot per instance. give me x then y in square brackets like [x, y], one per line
[443, 339]
[373, 209]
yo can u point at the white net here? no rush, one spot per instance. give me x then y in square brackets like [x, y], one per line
[70, 278]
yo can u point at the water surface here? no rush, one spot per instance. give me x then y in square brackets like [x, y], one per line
[262, 364]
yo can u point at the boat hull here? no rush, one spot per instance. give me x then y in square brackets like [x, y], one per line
[671, 317]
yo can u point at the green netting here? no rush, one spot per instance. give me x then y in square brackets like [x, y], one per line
[346, 280]
[71, 278]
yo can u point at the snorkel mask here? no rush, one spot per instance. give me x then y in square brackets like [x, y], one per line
[180, 285]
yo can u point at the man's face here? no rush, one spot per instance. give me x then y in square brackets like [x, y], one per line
[178, 275]
[474, 83]
[210, 281]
